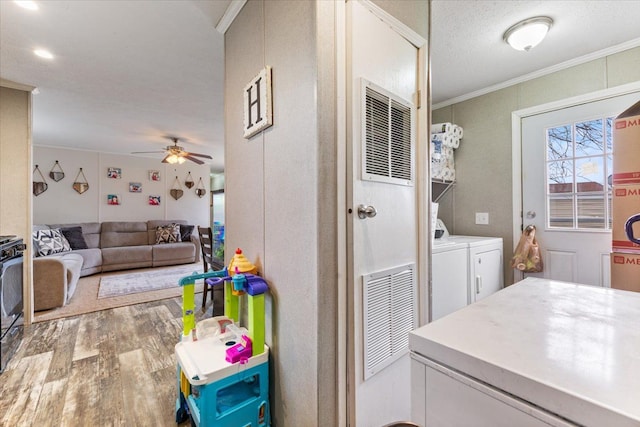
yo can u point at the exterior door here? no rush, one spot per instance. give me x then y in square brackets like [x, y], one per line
[382, 68]
[566, 187]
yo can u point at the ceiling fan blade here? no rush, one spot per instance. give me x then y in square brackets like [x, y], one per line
[193, 159]
[146, 152]
[206, 156]
[165, 158]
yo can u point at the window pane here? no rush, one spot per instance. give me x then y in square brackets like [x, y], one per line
[559, 143]
[589, 138]
[591, 211]
[560, 177]
[561, 212]
[609, 133]
[590, 174]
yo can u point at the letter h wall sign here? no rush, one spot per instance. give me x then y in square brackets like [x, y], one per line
[258, 112]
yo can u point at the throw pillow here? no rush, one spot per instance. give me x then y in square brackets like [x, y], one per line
[75, 237]
[47, 242]
[185, 232]
[168, 233]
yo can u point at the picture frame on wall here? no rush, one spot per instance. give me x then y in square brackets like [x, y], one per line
[154, 200]
[154, 175]
[113, 199]
[114, 173]
[135, 187]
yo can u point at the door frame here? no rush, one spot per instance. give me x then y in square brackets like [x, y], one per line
[516, 144]
[423, 188]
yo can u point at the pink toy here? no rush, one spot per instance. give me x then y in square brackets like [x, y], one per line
[239, 351]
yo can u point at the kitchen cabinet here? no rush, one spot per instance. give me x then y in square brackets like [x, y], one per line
[537, 353]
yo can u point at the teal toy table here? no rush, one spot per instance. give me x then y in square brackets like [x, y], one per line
[214, 392]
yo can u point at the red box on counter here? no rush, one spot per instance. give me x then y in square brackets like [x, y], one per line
[625, 271]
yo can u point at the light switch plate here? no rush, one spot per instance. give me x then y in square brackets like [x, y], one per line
[482, 218]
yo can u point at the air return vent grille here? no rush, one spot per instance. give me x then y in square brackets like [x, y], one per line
[388, 142]
[390, 313]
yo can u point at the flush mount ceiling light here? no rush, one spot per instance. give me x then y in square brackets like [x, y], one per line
[42, 53]
[527, 34]
[26, 4]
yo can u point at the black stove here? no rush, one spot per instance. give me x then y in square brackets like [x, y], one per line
[8, 238]
[11, 306]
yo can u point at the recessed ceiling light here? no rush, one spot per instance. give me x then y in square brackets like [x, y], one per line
[527, 34]
[42, 53]
[26, 4]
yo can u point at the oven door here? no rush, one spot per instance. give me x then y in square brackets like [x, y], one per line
[10, 289]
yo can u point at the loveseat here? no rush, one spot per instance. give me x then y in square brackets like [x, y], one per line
[94, 247]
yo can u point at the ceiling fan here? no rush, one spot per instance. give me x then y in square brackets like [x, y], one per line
[177, 154]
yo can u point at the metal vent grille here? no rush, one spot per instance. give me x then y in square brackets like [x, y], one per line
[389, 315]
[388, 148]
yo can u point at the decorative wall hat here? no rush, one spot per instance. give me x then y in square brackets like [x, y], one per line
[58, 174]
[39, 183]
[200, 190]
[176, 190]
[188, 182]
[80, 185]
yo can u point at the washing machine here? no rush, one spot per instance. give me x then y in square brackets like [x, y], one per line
[449, 277]
[485, 265]
[464, 269]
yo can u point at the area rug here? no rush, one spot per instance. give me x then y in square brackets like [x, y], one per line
[144, 281]
[85, 299]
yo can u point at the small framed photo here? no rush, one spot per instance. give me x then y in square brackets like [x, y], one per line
[135, 187]
[114, 173]
[154, 175]
[113, 199]
[154, 200]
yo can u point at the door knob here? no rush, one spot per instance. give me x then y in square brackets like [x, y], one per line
[366, 212]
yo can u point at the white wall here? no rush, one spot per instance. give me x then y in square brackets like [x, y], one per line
[483, 161]
[62, 204]
[15, 166]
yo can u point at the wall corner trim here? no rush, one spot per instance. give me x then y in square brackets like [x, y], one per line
[230, 15]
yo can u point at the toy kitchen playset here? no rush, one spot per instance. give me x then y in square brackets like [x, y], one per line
[223, 368]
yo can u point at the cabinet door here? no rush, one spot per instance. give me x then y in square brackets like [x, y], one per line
[453, 399]
[487, 273]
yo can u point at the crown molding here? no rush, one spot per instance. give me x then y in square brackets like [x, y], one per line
[230, 14]
[543, 72]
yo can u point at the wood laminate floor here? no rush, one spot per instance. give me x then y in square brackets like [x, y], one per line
[109, 368]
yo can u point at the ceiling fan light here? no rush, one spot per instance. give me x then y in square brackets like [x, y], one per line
[172, 159]
[527, 34]
[181, 159]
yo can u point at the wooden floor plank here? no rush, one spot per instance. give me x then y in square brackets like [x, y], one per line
[109, 368]
[48, 333]
[63, 349]
[87, 338]
[160, 343]
[51, 403]
[22, 388]
[141, 404]
[83, 397]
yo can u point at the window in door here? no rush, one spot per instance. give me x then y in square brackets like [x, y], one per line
[579, 165]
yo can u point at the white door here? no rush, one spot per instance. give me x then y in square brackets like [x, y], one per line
[566, 187]
[381, 76]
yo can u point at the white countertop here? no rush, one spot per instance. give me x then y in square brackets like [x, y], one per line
[571, 349]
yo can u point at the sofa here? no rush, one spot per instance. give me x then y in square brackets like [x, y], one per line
[95, 247]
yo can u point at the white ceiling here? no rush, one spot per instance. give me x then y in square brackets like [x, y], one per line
[127, 74]
[468, 54]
